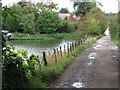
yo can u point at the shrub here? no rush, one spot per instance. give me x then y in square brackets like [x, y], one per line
[114, 27]
[17, 67]
[48, 22]
[66, 27]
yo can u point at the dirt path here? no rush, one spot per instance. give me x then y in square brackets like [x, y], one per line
[96, 67]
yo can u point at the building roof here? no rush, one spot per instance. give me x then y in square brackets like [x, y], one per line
[63, 15]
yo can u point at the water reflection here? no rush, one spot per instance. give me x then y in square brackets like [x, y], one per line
[38, 46]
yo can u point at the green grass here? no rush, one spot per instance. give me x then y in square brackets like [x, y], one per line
[117, 42]
[46, 36]
[48, 74]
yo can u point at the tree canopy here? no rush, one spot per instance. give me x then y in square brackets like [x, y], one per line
[64, 10]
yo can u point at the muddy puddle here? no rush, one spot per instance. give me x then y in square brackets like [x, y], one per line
[90, 63]
[92, 55]
[79, 84]
[97, 46]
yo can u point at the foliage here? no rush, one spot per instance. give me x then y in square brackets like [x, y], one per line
[64, 10]
[17, 66]
[11, 17]
[22, 17]
[83, 7]
[115, 28]
[66, 27]
[48, 22]
[93, 23]
[27, 23]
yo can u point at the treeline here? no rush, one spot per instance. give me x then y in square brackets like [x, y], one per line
[34, 18]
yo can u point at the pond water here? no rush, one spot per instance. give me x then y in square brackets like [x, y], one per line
[38, 46]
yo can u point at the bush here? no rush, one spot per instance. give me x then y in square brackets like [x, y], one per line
[17, 67]
[66, 27]
[48, 22]
[114, 27]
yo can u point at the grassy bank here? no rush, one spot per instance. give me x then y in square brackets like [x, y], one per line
[48, 74]
[23, 36]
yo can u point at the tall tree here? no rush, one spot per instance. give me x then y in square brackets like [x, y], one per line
[83, 7]
[64, 10]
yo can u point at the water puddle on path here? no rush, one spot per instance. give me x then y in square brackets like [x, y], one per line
[92, 55]
[97, 46]
[79, 84]
[90, 63]
[113, 47]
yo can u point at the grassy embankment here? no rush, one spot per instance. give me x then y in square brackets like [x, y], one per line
[48, 74]
[21, 36]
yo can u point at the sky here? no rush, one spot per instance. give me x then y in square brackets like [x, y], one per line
[108, 5]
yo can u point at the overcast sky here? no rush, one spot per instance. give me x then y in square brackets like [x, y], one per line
[108, 5]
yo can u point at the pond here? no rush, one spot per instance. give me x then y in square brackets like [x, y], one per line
[38, 46]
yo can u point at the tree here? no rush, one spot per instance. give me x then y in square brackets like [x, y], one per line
[46, 6]
[27, 23]
[83, 7]
[93, 23]
[48, 22]
[11, 17]
[64, 10]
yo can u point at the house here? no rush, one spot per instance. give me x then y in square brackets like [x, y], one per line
[70, 17]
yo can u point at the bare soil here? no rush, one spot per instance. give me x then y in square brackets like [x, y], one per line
[96, 67]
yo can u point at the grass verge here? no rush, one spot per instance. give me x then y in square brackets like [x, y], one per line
[48, 74]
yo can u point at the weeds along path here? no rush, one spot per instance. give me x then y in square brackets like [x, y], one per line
[96, 67]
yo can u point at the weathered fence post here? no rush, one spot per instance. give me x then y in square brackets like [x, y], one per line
[73, 46]
[68, 48]
[49, 53]
[61, 51]
[57, 51]
[55, 56]
[44, 59]
[64, 48]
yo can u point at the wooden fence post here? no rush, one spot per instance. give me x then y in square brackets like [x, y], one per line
[44, 59]
[73, 46]
[55, 56]
[68, 48]
[61, 51]
[64, 48]
[57, 52]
